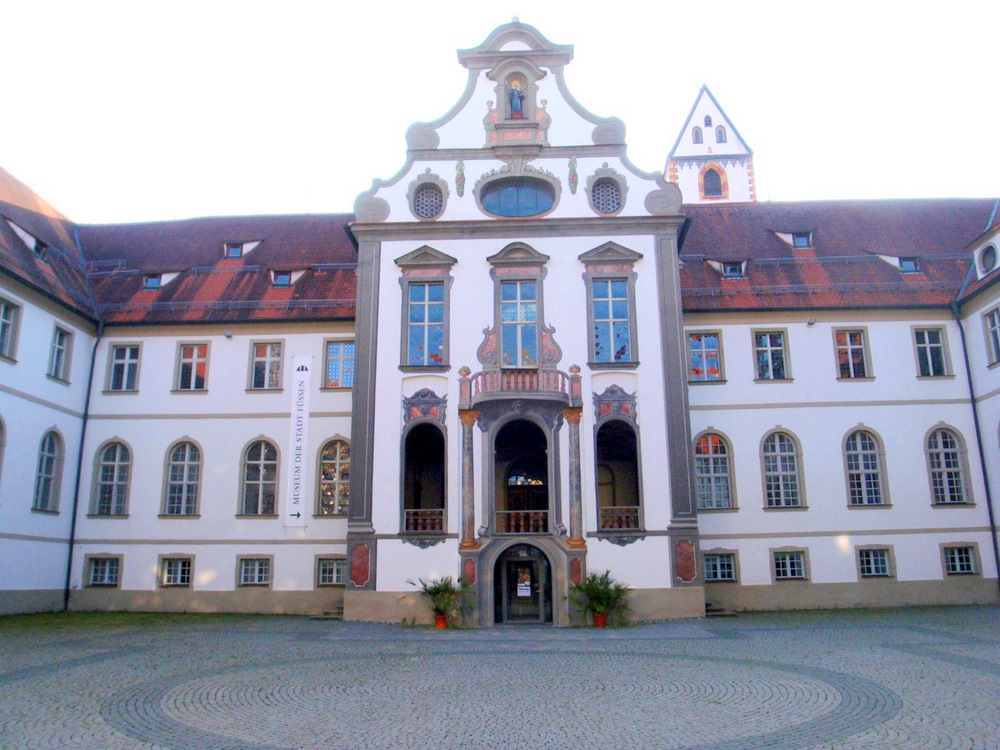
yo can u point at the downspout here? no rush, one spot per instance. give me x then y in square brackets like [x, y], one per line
[979, 437]
[83, 432]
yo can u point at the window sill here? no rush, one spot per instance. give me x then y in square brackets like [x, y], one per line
[721, 381]
[856, 380]
[878, 576]
[180, 391]
[120, 391]
[791, 580]
[264, 390]
[424, 368]
[962, 573]
[166, 586]
[785, 507]
[257, 515]
[330, 585]
[731, 509]
[990, 366]
[107, 515]
[330, 515]
[101, 586]
[179, 515]
[255, 586]
[774, 380]
[56, 379]
[953, 505]
[337, 388]
[946, 376]
[632, 365]
[8, 360]
[721, 580]
[45, 511]
[868, 506]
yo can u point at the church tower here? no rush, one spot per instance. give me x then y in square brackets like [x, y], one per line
[710, 162]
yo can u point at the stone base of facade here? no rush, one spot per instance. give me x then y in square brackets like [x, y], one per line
[241, 601]
[386, 606]
[30, 601]
[862, 594]
[667, 604]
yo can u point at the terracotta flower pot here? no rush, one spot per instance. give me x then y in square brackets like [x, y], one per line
[600, 620]
[441, 621]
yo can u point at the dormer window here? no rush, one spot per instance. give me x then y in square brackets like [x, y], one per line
[234, 249]
[732, 269]
[708, 121]
[696, 135]
[801, 240]
[988, 259]
[40, 248]
[282, 278]
[909, 265]
[152, 281]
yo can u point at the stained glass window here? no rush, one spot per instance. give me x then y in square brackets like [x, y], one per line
[339, 364]
[612, 340]
[425, 325]
[705, 358]
[519, 324]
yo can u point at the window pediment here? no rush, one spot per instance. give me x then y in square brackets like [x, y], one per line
[425, 256]
[518, 254]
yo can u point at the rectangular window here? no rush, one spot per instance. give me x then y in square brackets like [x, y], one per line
[282, 278]
[909, 265]
[519, 324]
[255, 571]
[705, 357]
[769, 349]
[959, 561]
[425, 345]
[612, 327]
[234, 249]
[801, 240]
[339, 364]
[104, 571]
[8, 328]
[720, 567]
[192, 367]
[266, 366]
[152, 281]
[874, 563]
[124, 375]
[930, 352]
[789, 565]
[732, 270]
[176, 571]
[992, 323]
[59, 353]
[332, 572]
[852, 358]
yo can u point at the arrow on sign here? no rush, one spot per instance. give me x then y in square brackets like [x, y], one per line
[295, 515]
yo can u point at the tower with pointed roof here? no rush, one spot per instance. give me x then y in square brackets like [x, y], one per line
[710, 162]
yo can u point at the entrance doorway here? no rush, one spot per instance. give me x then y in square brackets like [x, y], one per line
[522, 586]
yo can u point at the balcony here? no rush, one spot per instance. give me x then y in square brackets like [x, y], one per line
[537, 384]
[522, 522]
[620, 518]
[423, 521]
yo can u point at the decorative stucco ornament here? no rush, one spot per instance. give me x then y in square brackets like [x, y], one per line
[664, 202]
[460, 178]
[574, 178]
[421, 137]
[368, 208]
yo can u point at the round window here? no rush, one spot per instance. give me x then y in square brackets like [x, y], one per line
[988, 259]
[518, 196]
[428, 201]
[607, 196]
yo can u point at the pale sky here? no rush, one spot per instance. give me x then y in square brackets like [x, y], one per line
[145, 110]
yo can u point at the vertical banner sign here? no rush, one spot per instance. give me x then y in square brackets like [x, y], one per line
[297, 507]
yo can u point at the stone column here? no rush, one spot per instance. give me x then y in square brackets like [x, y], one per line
[576, 539]
[468, 417]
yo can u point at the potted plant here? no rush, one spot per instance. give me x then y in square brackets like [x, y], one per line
[447, 598]
[601, 596]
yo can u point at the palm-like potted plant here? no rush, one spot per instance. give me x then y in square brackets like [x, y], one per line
[447, 598]
[601, 596]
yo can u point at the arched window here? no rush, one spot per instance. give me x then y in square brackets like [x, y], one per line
[260, 479]
[696, 135]
[518, 196]
[708, 121]
[334, 478]
[114, 464]
[712, 181]
[864, 469]
[782, 485]
[423, 479]
[47, 476]
[945, 459]
[617, 477]
[720, 134]
[712, 472]
[183, 480]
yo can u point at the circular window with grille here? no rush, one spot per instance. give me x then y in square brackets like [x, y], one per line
[988, 259]
[606, 196]
[428, 201]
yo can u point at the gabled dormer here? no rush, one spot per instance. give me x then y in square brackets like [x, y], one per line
[710, 161]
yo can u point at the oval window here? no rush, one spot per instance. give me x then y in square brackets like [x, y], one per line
[518, 196]
[428, 201]
[988, 259]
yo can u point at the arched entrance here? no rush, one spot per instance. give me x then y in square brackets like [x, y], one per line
[522, 586]
[522, 474]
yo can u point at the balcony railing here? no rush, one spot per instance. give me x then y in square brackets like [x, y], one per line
[540, 383]
[621, 517]
[522, 521]
[423, 520]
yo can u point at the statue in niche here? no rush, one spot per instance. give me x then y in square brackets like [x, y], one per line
[516, 100]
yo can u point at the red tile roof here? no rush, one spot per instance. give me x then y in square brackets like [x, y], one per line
[842, 269]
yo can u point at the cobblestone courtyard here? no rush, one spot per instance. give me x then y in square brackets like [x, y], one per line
[924, 678]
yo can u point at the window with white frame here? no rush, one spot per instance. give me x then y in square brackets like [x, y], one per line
[931, 360]
[175, 571]
[944, 460]
[331, 572]
[781, 471]
[874, 563]
[255, 571]
[713, 480]
[704, 356]
[334, 478]
[852, 355]
[113, 469]
[959, 561]
[47, 476]
[103, 571]
[183, 480]
[789, 565]
[720, 566]
[124, 371]
[339, 370]
[260, 479]
[769, 350]
[9, 314]
[265, 366]
[59, 353]
[991, 321]
[864, 468]
[192, 367]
